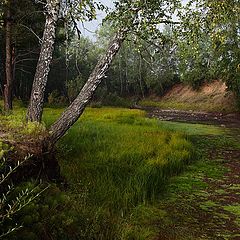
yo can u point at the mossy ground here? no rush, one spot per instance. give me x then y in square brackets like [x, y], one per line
[203, 203]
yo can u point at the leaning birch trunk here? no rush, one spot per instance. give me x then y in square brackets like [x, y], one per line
[8, 65]
[75, 110]
[35, 107]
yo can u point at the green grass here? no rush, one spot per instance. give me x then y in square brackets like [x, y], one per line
[117, 165]
[15, 125]
[122, 159]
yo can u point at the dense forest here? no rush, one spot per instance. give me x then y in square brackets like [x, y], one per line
[144, 65]
[85, 154]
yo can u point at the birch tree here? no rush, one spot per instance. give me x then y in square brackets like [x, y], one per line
[141, 18]
[74, 111]
[138, 17]
[35, 108]
[71, 11]
[209, 43]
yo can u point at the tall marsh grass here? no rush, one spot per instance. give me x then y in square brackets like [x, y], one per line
[122, 160]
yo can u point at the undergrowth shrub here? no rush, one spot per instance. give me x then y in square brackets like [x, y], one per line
[114, 100]
[13, 200]
[4, 148]
[31, 211]
[62, 215]
[17, 126]
[44, 218]
[55, 99]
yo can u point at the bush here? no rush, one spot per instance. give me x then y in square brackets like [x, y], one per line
[55, 99]
[112, 99]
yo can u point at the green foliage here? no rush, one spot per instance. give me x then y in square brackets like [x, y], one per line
[14, 200]
[4, 148]
[204, 46]
[141, 67]
[112, 99]
[209, 42]
[82, 55]
[143, 18]
[55, 99]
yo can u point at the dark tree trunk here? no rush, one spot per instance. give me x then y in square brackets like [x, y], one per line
[8, 64]
[74, 111]
[35, 107]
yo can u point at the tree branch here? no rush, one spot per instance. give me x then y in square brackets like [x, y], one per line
[28, 28]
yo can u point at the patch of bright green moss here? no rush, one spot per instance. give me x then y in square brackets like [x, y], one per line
[234, 209]
[208, 205]
[4, 148]
[234, 186]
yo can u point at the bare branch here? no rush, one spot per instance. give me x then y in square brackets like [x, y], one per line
[39, 39]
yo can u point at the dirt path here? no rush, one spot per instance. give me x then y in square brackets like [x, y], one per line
[205, 202]
[228, 120]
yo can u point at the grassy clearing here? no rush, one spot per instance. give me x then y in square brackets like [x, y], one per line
[120, 162]
[116, 163]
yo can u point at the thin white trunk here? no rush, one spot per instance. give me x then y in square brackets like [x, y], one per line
[35, 107]
[75, 110]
